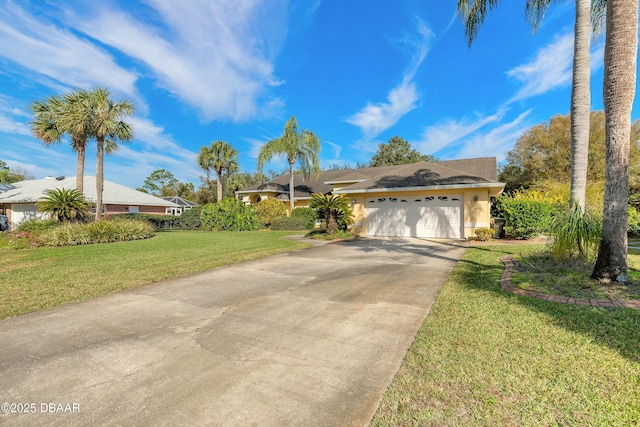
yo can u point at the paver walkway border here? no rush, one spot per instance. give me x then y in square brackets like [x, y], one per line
[505, 283]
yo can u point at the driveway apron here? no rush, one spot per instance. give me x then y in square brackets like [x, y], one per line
[308, 338]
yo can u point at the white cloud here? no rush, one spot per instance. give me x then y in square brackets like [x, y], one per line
[375, 118]
[550, 69]
[215, 56]
[57, 56]
[440, 136]
[497, 141]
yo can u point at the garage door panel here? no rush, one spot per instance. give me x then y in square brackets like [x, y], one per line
[431, 216]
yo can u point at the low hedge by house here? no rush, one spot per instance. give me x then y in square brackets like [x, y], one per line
[159, 222]
[289, 223]
[74, 234]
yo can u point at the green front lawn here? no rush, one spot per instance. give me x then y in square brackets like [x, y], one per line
[485, 357]
[37, 279]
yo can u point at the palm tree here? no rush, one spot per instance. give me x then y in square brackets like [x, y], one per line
[474, 12]
[57, 116]
[331, 207]
[66, 205]
[103, 119]
[620, 58]
[221, 157]
[300, 146]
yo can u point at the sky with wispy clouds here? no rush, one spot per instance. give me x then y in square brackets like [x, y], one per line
[354, 72]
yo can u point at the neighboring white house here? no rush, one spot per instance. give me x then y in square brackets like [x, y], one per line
[18, 200]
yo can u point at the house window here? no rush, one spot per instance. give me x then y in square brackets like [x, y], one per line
[445, 198]
[134, 209]
[104, 209]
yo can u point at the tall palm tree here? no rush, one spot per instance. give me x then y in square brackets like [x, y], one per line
[620, 61]
[221, 157]
[473, 14]
[300, 146]
[103, 116]
[57, 116]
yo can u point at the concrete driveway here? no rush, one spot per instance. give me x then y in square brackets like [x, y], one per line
[311, 337]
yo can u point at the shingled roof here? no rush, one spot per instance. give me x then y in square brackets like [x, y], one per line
[473, 172]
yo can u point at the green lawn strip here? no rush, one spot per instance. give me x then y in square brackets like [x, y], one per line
[538, 271]
[37, 279]
[485, 357]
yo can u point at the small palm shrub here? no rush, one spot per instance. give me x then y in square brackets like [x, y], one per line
[335, 210]
[64, 204]
[190, 219]
[229, 214]
[575, 234]
[308, 214]
[270, 209]
[288, 223]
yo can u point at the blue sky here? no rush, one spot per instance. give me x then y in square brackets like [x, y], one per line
[355, 72]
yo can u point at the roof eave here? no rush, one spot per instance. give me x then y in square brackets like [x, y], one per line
[422, 188]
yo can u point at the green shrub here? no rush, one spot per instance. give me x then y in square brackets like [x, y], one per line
[525, 218]
[323, 234]
[575, 235]
[229, 214]
[270, 209]
[289, 223]
[73, 234]
[159, 222]
[633, 222]
[309, 215]
[37, 225]
[190, 220]
[64, 204]
[485, 234]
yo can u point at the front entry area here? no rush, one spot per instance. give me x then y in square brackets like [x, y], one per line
[415, 216]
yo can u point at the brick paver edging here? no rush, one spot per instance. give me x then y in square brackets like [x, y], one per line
[505, 282]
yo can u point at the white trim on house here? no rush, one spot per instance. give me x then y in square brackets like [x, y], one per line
[423, 188]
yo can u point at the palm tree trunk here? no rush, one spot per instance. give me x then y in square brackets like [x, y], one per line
[99, 178]
[580, 103]
[219, 186]
[619, 90]
[291, 189]
[82, 151]
[332, 224]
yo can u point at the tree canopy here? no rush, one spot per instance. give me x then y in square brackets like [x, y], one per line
[9, 175]
[398, 151]
[163, 183]
[543, 153]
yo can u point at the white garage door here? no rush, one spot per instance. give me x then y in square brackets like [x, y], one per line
[24, 212]
[417, 216]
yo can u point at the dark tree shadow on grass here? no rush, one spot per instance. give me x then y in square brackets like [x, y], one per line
[616, 328]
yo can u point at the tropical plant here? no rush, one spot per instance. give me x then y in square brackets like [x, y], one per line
[64, 204]
[397, 151]
[473, 14]
[57, 116]
[620, 62]
[299, 146]
[270, 209]
[575, 234]
[331, 207]
[229, 214]
[221, 157]
[97, 116]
